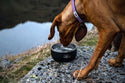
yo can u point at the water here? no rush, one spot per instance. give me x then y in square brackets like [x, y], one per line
[89, 26]
[24, 36]
[60, 48]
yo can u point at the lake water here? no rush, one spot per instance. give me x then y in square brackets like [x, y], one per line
[24, 36]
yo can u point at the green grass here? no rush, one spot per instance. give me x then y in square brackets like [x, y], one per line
[90, 42]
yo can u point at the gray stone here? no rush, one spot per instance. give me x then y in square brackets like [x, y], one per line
[17, 60]
[50, 71]
[4, 63]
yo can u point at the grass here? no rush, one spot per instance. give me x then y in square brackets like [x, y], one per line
[90, 39]
[20, 69]
[90, 42]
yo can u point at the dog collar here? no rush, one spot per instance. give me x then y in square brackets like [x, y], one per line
[75, 12]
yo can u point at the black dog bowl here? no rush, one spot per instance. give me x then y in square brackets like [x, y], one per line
[63, 54]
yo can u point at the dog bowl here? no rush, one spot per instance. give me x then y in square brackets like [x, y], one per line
[63, 54]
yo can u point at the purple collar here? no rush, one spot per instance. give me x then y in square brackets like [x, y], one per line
[75, 12]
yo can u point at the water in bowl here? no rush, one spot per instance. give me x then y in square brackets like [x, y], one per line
[61, 48]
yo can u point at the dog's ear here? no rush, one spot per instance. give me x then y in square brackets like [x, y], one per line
[52, 29]
[81, 32]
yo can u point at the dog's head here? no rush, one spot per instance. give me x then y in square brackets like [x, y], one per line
[68, 26]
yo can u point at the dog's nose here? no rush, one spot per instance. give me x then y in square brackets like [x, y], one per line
[64, 42]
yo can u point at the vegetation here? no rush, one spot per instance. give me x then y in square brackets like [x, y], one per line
[90, 39]
[31, 58]
[21, 68]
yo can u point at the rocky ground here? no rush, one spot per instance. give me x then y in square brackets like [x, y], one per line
[49, 71]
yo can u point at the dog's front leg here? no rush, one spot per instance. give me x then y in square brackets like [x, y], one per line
[106, 36]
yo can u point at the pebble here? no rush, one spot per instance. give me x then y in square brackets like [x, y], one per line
[49, 71]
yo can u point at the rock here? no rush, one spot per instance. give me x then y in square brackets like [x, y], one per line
[4, 63]
[17, 60]
[50, 71]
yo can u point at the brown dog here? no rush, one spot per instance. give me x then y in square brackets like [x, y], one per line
[109, 18]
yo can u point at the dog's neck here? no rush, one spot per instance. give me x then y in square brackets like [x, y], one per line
[67, 14]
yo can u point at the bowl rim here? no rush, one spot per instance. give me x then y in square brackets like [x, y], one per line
[63, 51]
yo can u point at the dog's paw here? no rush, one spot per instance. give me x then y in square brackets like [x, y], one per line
[79, 74]
[113, 62]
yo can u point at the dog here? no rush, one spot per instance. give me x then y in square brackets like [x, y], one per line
[109, 18]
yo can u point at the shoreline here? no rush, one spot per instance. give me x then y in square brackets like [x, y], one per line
[31, 51]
